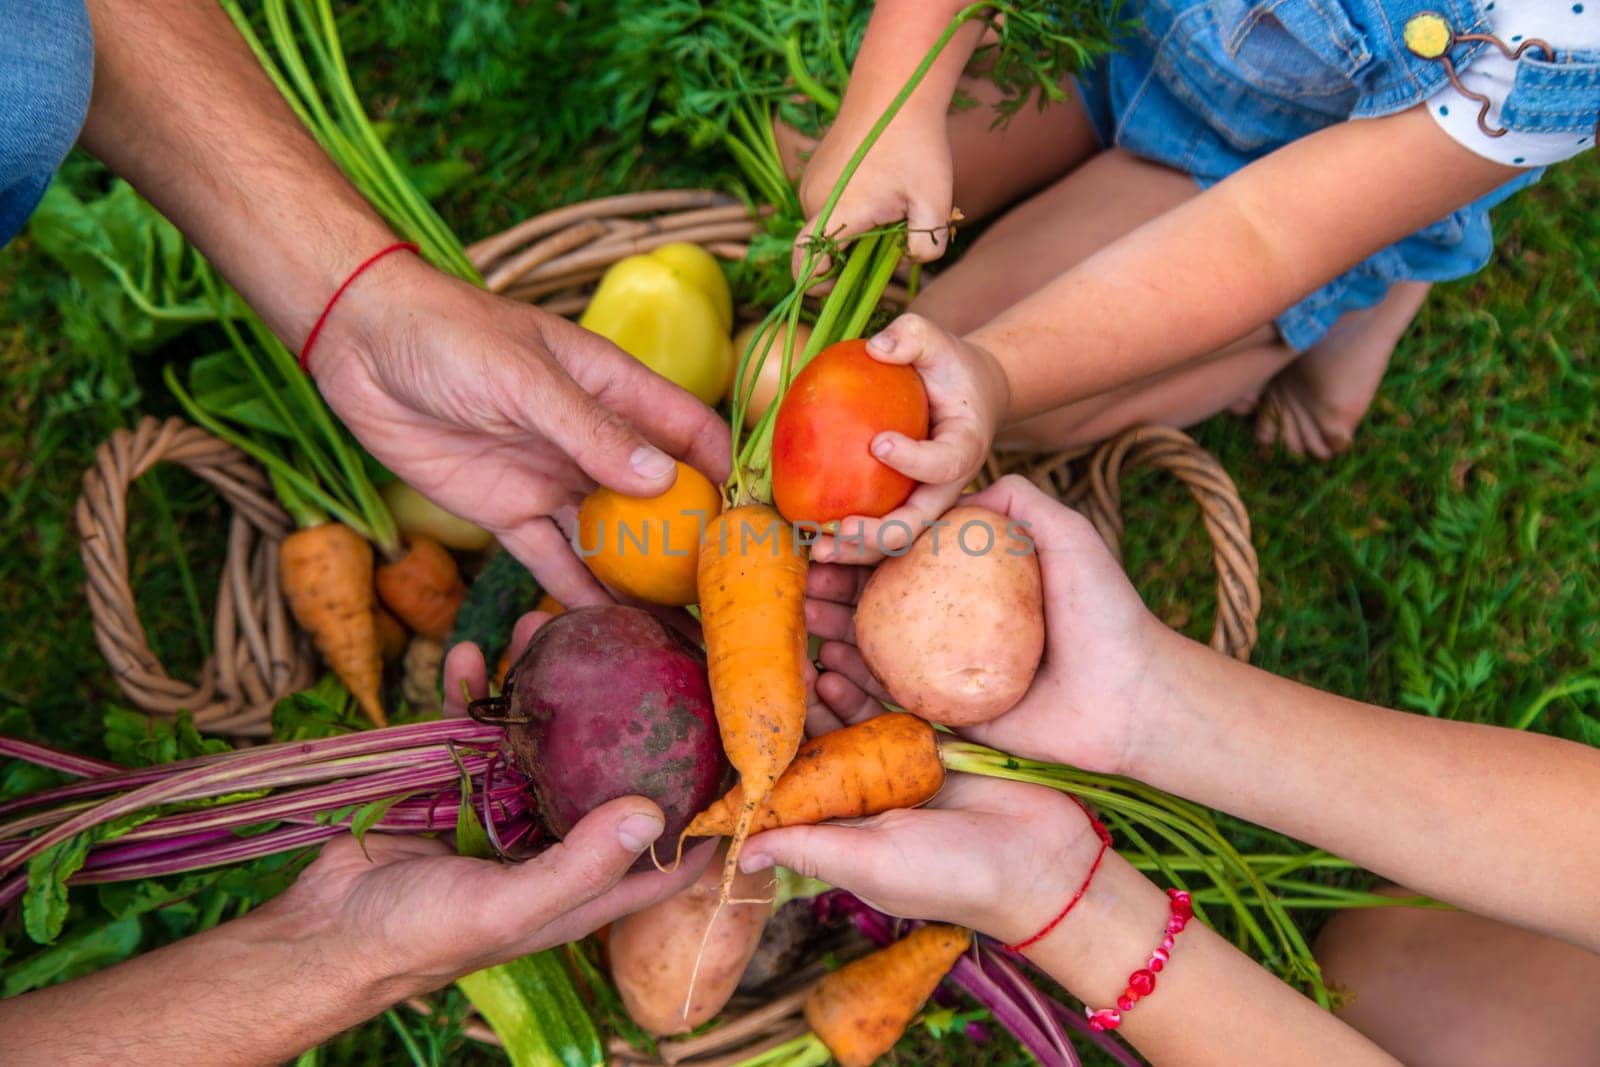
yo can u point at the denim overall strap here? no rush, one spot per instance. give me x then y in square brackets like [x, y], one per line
[1559, 96]
[1398, 78]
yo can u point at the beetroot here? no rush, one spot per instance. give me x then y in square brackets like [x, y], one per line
[609, 702]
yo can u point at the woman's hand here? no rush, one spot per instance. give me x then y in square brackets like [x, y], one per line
[502, 413]
[967, 399]
[1100, 643]
[999, 857]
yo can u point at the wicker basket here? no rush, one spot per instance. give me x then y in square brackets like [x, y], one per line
[553, 260]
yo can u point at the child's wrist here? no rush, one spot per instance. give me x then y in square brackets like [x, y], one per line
[1162, 702]
[1110, 932]
[1033, 908]
[996, 387]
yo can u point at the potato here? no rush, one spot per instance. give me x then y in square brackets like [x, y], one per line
[954, 628]
[653, 951]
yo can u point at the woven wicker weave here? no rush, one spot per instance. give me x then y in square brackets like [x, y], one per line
[553, 260]
[257, 655]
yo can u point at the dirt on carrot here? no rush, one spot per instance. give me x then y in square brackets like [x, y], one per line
[752, 584]
[325, 571]
[860, 1010]
[890, 761]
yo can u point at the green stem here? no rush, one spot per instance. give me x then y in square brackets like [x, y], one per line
[825, 98]
[406, 1039]
[274, 463]
[304, 514]
[1175, 821]
[448, 250]
[1566, 688]
[807, 1050]
[169, 531]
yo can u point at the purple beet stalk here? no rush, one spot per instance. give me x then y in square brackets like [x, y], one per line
[294, 795]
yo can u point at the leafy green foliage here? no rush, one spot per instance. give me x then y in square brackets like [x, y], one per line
[44, 906]
[502, 591]
[323, 710]
[97, 946]
[135, 739]
[471, 837]
[139, 282]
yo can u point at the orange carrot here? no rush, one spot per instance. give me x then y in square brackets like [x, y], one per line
[423, 588]
[860, 1010]
[391, 635]
[889, 761]
[752, 584]
[326, 573]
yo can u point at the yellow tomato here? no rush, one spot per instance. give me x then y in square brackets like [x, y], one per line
[648, 548]
[669, 309]
[766, 389]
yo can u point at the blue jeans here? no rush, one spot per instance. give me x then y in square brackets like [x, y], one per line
[46, 71]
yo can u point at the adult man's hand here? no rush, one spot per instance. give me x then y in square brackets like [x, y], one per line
[504, 413]
[499, 412]
[420, 916]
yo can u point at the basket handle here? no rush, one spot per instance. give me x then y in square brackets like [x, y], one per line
[257, 655]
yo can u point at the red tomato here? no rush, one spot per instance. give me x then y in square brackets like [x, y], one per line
[823, 468]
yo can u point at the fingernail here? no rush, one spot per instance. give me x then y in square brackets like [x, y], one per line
[882, 447]
[637, 831]
[650, 462]
[881, 342]
[751, 862]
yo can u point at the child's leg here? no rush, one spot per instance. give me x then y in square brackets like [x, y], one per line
[1446, 987]
[1316, 403]
[1108, 196]
[992, 167]
[1180, 397]
[996, 167]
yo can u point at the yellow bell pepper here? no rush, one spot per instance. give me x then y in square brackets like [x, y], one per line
[671, 310]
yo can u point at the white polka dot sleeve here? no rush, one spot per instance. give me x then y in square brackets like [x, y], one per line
[1568, 26]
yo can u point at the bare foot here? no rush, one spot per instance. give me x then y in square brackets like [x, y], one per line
[1314, 404]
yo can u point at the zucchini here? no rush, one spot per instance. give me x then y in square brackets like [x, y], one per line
[533, 1007]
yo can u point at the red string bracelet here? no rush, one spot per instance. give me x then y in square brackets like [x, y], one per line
[1105, 843]
[311, 338]
[1142, 983]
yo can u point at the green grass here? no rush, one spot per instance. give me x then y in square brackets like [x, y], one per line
[1446, 565]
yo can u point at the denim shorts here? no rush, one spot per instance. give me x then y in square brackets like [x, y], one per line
[1208, 86]
[46, 71]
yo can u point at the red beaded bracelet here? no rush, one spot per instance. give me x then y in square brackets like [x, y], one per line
[1105, 843]
[1142, 983]
[311, 338]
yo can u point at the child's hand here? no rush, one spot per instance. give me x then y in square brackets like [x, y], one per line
[967, 398]
[986, 854]
[906, 175]
[1100, 644]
